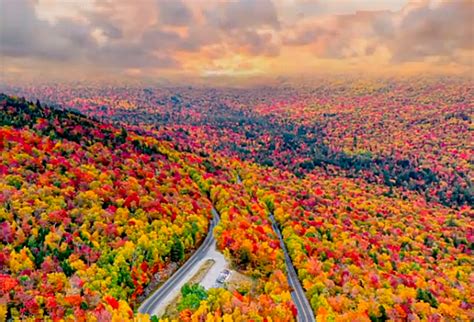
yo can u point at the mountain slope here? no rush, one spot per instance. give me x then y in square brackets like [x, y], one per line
[89, 213]
[92, 215]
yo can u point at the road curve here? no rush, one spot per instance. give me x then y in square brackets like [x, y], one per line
[305, 313]
[149, 305]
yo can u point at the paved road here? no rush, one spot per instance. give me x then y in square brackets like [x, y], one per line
[150, 305]
[305, 313]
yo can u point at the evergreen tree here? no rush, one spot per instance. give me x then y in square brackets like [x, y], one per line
[177, 250]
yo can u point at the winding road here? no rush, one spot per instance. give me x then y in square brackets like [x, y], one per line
[150, 305]
[305, 313]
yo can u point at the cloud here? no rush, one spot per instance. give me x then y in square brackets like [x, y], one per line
[200, 36]
[156, 38]
[126, 55]
[121, 35]
[243, 14]
[23, 34]
[416, 32]
[174, 13]
[71, 41]
[339, 36]
[103, 22]
[426, 31]
[304, 37]
[255, 43]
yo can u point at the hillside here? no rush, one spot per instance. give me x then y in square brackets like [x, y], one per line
[89, 215]
[92, 213]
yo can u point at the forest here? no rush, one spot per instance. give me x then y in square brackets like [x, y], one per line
[105, 192]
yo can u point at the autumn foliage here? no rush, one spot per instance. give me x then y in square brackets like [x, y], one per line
[88, 215]
[370, 183]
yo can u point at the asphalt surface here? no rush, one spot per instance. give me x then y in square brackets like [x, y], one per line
[150, 304]
[305, 313]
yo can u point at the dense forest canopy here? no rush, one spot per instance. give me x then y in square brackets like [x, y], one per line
[370, 185]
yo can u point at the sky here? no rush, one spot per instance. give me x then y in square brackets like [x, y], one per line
[181, 40]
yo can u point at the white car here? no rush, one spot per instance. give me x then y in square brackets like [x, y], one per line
[223, 276]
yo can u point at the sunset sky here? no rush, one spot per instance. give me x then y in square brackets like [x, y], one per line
[184, 39]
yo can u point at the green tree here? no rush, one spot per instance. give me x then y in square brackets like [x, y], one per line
[177, 250]
[192, 295]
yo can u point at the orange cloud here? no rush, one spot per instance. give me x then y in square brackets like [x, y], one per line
[185, 38]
